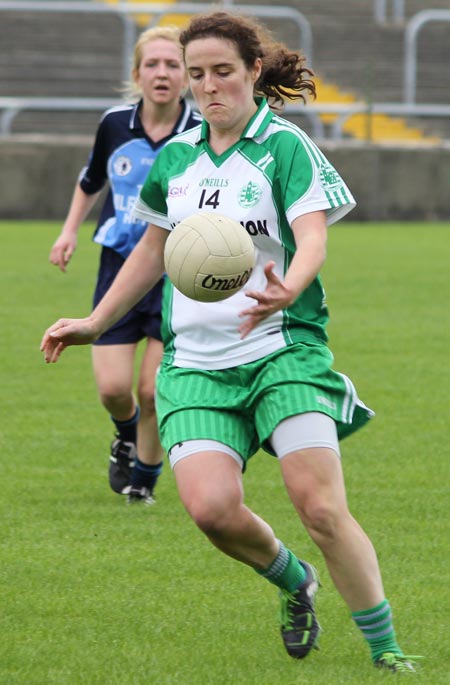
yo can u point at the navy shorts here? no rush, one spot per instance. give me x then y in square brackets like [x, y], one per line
[143, 321]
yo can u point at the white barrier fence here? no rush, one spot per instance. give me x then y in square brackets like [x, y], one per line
[10, 107]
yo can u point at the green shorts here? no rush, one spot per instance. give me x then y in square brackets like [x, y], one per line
[242, 406]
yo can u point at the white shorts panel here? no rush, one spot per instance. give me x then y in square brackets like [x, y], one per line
[185, 449]
[303, 431]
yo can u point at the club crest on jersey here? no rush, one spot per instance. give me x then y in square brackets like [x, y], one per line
[122, 165]
[329, 176]
[249, 195]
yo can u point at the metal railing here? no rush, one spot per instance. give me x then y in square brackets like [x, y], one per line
[413, 28]
[389, 10]
[345, 111]
[126, 10]
[10, 107]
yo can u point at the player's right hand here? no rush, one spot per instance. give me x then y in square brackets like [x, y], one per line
[66, 332]
[62, 251]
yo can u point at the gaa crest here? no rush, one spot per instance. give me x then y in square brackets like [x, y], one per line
[122, 165]
[249, 195]
[329, 176]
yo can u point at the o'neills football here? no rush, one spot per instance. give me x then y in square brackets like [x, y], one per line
[209, 257]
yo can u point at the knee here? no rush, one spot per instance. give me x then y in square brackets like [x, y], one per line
[146, 397]
[321, 519]
[211, 517]
[113, 393]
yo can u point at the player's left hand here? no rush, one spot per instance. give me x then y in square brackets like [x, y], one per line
[275, 297]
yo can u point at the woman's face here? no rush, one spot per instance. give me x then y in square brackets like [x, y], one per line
[221, 83]
[161, 74]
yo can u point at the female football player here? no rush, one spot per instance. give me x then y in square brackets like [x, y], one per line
[128, 140]
[255, 370]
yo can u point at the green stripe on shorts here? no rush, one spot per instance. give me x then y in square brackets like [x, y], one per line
[242, 406]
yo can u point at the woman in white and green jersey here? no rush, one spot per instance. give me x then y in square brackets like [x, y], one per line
[253, 371]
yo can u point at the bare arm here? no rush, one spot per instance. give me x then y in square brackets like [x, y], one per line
[139, 273]
[310, 233]
[65, 245]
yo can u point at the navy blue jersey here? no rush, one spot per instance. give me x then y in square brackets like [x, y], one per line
[123, 154]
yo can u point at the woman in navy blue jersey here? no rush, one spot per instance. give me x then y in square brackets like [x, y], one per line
[128, 139]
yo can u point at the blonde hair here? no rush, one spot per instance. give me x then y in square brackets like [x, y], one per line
[130, 90]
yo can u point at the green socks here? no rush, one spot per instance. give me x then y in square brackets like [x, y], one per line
[377, 628]
[285, 571]
[375, 624]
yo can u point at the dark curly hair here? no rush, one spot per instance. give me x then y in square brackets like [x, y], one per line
[283, 75]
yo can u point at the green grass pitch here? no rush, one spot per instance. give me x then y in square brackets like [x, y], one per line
[95, 593]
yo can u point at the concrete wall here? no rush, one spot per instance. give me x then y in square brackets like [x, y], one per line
[37, 176]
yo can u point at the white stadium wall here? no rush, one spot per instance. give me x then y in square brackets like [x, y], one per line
[37, 176]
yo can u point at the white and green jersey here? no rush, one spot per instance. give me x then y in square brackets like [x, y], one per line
[272, 175]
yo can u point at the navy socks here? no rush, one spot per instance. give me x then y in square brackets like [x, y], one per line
[127, 430]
